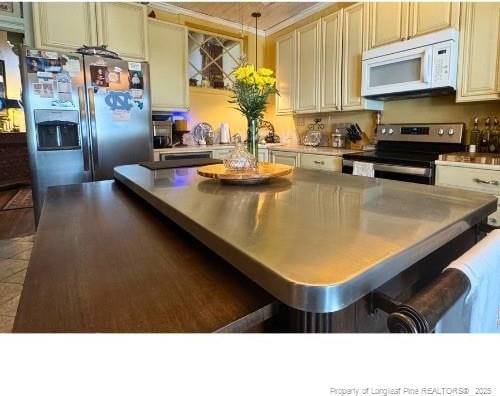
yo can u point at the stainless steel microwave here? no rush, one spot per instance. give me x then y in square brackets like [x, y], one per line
[422, 66]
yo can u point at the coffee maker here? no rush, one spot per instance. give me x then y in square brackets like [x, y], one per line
[162, 133]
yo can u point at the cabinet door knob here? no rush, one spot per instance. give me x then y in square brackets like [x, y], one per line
[319, 162]
[490, 182]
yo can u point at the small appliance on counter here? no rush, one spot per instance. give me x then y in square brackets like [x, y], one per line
[162, 133]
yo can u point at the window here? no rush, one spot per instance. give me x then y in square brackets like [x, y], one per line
[212, 59]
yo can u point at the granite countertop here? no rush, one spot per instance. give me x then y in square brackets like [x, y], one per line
[271, 146]
[471, 160]
[206, 147]
[317, 241]
[313, 150]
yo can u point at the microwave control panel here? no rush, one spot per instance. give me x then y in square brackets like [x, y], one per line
[443, 71]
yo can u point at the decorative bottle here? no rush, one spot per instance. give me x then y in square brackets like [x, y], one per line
[484, 146]
[475, 137]
[495, 137]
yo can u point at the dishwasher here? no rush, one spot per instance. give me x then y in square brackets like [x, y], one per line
[185, 155]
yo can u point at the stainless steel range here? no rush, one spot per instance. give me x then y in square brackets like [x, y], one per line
[407, 152]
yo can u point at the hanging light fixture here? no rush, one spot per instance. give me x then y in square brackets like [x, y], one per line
[256, 15]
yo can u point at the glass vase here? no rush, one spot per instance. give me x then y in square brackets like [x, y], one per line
[253, 138]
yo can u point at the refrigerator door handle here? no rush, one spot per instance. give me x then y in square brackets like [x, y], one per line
[85, 146]
[93, 128]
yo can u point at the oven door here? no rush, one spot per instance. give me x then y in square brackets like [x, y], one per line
[407, 173]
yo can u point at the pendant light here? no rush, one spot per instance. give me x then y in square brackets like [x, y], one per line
[256, 15]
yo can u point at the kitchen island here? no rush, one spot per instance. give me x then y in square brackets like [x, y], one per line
[315, 243]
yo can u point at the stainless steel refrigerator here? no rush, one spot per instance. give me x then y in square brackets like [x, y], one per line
[84, 116]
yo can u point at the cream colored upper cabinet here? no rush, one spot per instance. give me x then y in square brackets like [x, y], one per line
[331, 62]
[355, 41]
[479, 65]
[168, 66]
[388, 23]
[64, 26]
[428, 17]
[392, 22]
[285, 73]
[123, 28]
[68, 26]
[308, 60]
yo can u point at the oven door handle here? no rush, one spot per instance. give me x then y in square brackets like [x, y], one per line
[405, 170]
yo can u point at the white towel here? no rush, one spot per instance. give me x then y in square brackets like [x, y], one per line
[479, 310]
[363, 169]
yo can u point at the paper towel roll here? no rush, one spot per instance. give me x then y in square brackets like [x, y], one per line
[181, 125]
[225, 137]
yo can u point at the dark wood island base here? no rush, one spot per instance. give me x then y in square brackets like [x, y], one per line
[104, 261]
[107, 261]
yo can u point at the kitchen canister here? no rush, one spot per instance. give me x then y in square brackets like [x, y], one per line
[181, 125]
[225, 136]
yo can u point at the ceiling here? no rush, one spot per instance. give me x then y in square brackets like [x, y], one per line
[273, 13]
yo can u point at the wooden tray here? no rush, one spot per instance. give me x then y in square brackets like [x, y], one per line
[263, 174]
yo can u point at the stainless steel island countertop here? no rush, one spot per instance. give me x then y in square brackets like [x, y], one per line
[317, 241]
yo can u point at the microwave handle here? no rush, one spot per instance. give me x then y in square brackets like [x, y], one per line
[427, 65]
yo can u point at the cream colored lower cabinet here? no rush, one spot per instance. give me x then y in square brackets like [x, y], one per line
[322, 162]
[221, 153]
[471, 178]
[263, 155]
[168, 66]
[285, 157]
[479, 52]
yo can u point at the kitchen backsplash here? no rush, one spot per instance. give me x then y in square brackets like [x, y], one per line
[442, 109]
[292, 128]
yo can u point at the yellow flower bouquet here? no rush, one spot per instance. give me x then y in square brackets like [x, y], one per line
[250, 92]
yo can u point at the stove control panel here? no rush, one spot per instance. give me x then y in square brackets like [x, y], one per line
[426, 133]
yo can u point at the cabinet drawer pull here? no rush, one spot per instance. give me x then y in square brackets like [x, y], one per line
[491, 182]
[319, 162]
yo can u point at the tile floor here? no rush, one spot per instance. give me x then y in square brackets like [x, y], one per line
[14, 257]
